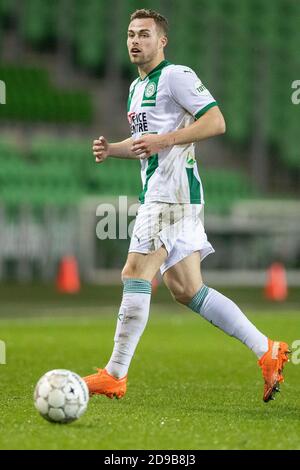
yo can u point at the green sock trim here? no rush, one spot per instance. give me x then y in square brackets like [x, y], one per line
[137, 286]
[198, 299]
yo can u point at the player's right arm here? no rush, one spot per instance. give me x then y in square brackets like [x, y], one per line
[103, 149]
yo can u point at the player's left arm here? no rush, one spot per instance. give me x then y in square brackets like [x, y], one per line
[210, 124]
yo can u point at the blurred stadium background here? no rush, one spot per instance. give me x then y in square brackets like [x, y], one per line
[67, 73]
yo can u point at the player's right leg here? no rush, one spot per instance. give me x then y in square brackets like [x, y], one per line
[137, 275]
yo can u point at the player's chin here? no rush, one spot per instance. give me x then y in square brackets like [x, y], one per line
[136, 60]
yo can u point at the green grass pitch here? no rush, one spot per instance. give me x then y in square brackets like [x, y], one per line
[190, 385]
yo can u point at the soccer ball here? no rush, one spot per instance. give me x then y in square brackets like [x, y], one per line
[61, 396]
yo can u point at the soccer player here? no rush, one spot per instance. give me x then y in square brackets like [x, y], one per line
[169, 109]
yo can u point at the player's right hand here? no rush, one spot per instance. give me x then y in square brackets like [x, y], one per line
[100, 149]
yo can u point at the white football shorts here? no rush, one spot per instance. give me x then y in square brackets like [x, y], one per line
[179, 227]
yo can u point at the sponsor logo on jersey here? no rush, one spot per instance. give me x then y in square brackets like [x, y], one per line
[190, 161]
[200, 88]
[138, 122]
[150, 90]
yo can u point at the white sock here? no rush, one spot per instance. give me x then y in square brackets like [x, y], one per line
[132, 319]
[225, 314]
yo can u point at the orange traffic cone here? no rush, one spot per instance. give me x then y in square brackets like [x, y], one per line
[276, 285]
[68, 281]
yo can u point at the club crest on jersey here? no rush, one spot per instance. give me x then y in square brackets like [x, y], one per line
[150, 90]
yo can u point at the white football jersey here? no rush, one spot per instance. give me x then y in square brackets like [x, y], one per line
[170, 97]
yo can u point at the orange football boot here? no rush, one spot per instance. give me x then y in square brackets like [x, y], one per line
[102, 383]
[272, 364]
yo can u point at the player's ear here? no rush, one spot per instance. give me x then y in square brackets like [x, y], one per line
[164, 41]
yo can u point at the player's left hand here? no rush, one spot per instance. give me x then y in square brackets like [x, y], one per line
[149, 144]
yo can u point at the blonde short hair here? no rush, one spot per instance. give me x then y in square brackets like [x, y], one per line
[161, 21]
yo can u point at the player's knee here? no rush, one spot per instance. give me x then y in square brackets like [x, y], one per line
[182, 298]
[184, 294]
[128, 271]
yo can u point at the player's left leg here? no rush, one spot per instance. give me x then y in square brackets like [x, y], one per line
[184, 280]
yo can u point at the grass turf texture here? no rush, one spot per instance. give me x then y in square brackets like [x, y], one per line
[190, 385]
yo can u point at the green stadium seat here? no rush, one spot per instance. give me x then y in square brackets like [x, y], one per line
[90, 33]
[223, 187]
[60, 173]
[31, 97]
[39, 20]
[189, 36]
[7, 8]
[223, 40]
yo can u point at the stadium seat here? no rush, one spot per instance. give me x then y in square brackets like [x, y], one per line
[230, 44]
[90, 33]
[60, 173]
[39, 20]
[31, 97]
[223, 187]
